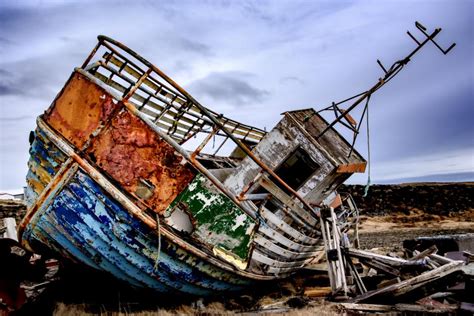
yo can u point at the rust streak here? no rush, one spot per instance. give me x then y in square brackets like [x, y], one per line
[132, 154]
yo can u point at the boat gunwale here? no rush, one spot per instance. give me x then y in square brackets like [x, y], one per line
[211, 115]
[121, 198]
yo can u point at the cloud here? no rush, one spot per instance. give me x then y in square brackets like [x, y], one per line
[15, 118]
[272, 56]
[193, 46]
[445, 164]
[6, 89]
[229, 87]
[30, 78]
[5, 41]
[291, 79]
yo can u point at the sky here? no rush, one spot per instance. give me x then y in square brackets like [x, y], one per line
[253, 60]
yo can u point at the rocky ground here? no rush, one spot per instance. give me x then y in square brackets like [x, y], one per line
[430, 198]
[389, 215]
[12, 208]
[391, 230]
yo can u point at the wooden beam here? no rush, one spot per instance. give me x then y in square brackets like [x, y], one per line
[413, 283]
[352, 168]
[336, 202]
[380, 266]
[10, 228]
[440, 259]
[431, 250]
[398, 308]
[360, 284]
[317, 291]
[397, 262]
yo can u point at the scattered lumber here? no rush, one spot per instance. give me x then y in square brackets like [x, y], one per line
[406, 286]
[9, 228]
[317, 292]
[399, 308]
[418, 283]
[420, 255]
[444, 243]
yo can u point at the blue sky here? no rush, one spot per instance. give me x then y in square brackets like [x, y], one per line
[253, 60]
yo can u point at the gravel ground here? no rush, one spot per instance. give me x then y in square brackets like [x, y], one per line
[394, 238]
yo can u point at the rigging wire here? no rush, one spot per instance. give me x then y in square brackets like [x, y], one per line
[158, 232]
[366, 189]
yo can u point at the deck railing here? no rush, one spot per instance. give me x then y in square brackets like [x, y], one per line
[173, 111]
[165, 103]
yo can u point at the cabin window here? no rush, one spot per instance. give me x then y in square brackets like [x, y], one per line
[296, 169]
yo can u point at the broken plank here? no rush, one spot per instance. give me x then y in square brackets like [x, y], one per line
[380, 266]
[352, 168]
[440, 259]
[413, 283]
[361, 254]
[429, 251]
[317, 291]
[10, 228]
[397, 307]
[359, 283]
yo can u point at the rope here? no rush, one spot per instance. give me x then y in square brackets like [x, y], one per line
[158, 231]
[261, 220]
[366, 190]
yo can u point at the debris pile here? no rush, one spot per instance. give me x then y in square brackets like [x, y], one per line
[414, 281]
[12, 208]
[23, 275]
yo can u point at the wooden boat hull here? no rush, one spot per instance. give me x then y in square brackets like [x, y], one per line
[80, 218]
[111, 185]
[80, 221]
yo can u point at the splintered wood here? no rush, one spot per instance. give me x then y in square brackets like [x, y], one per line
[409, 284]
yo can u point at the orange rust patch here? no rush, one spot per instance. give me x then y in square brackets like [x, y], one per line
[352, 168]
[80, 109]
[130, 152]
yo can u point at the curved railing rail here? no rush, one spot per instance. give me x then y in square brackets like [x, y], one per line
[171, 108]
[168, 105]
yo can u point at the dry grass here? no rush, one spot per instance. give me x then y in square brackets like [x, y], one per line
[216, 308]
[81, 310]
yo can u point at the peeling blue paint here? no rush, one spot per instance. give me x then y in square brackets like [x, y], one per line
[45, 161]
[85, 224]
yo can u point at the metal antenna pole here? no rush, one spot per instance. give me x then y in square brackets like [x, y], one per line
[389, 74]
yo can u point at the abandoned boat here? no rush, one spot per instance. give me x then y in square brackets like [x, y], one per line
[119, 179]
[130, 175]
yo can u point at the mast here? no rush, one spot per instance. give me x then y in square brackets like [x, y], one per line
[342, 115]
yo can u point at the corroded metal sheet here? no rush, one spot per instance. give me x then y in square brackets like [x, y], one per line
[137, 158]
[83, 223]
[218, 222]
[80, 109]
[45, 160]
[200, 258]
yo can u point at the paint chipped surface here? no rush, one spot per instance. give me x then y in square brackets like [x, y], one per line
[83, 223]
[45, 161]
[218, 221]
[80, 109]
[134, 155]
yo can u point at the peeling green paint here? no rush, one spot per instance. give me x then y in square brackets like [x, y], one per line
[218, 222]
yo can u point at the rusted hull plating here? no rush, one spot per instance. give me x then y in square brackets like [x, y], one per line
[86, 225]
